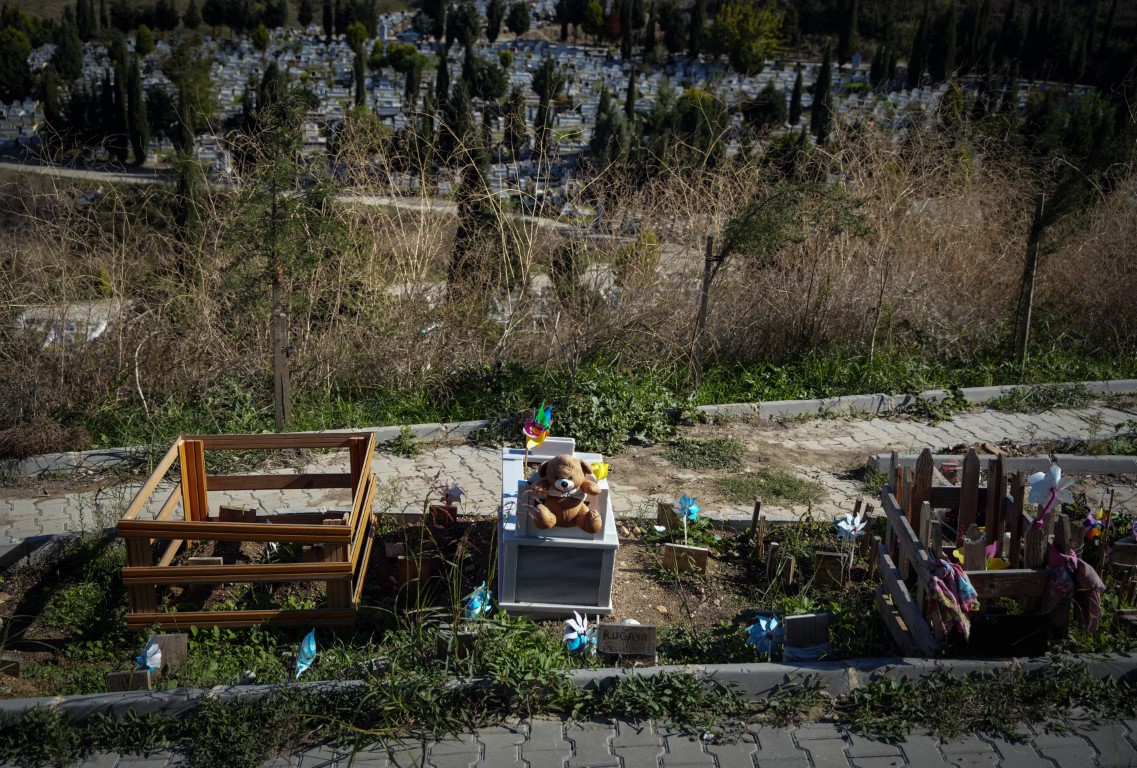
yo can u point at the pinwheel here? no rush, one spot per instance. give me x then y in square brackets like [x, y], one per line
[600, 469]
[151, 657]
[578, 635]
[1094, 524]
[765, 633]
[1133, 529]
[307, 654]
[478, 602]
[851, 528]
[537, 427]
[686, 507]
[452, 494]
[1047, 489]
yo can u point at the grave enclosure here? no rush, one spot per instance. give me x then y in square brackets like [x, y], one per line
[336, 545]
[915, 508]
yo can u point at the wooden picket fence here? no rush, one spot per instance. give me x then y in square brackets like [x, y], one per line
[340, 542]
[913, 507]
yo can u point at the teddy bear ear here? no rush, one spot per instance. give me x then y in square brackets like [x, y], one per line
[586, 467]
[541, 469]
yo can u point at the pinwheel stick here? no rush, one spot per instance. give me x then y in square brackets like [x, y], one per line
[1104, 543]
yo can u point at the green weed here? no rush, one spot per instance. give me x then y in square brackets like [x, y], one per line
[1043, 397]
[404, 445]
[774, 485]
[716, 453]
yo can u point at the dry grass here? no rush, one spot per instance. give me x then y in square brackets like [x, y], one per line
[371, 309]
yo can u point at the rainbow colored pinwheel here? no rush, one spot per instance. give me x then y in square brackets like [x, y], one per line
[766, 633]
[578, 635]
[307, 654]
[686, 507]
[1093, 524]
[478, 602]
[1047, 489]
[851, 528]
[537, 426]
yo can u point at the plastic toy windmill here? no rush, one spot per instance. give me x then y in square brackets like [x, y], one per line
[478, 602]
[151, 657]
[578, 635]
[765, 633]
[307, 655]
[851, 528]
[1047, 489]
[1094, 524]
[537, 428]
[687, 510]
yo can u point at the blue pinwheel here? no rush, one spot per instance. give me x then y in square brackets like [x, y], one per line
[766, 633]
[477, 603]
[686, 507]
[151, 657]
[307, 653]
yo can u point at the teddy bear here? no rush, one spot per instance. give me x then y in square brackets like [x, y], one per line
[565, 481]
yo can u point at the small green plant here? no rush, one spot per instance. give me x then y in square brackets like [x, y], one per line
[1043, 397]
[873, 481]
[934, 410]
[404, 445]
[716, 453]
[774, 485]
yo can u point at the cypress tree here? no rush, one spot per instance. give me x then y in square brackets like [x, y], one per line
[630, 99]
[137, 124]
[847, 39]
[329, 20]
[53, 122]
[1011, 94]
[358, 69]
[941, 63]
[1107, 30]
[626, 30]
[495, 15]
[795, 99]
[104, 20]
[876, 71]
[192, 16]
[821, 112]
[68, 56]
[916, 58]
[649, 35]
[698, 21]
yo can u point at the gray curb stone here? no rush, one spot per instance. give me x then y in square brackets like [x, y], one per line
[751, 680]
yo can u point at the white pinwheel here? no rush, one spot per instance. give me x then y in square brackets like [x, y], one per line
[1048, 488]
[578, 635]
[151, 657]
[453, 494]
[851, 528]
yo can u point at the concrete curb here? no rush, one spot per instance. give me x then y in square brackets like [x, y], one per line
[873, 405]
[754, 681]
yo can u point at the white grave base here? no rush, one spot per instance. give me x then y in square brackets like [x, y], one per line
[553, 572]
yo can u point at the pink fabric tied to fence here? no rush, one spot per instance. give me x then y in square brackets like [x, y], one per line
[1070, 575]
[953, 597]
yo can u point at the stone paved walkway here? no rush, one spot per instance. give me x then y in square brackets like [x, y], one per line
[555, 744]
[406, 482]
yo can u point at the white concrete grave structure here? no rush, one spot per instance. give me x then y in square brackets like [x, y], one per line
[552, 572]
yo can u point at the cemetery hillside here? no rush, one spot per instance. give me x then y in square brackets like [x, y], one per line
[238, 217]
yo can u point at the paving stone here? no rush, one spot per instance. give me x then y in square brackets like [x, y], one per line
[630, 734]
[501, 746]
[685, 749]
[861, 747]
[738, 754]
[776, 747]
[460, 752]
[1065, 749]
[896, 761]
[155, 760]
[101, 760]
[922, 750]
[1018, 754]
[826, 753]
[1113, 743]
[591, 744]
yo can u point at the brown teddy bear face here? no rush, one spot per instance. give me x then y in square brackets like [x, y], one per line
[565, 474]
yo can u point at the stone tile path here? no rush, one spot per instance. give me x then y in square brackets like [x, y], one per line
[619, 744]
[407, 482]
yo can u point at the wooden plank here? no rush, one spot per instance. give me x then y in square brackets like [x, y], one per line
[974, 546]
[921, 488]
[909, 543]
[755, 517]
[918, 628]
[877, 544]
[152, 482]
[287, 441]
[207, 531]
[996, 492]
[355, 450]
[339, 591]
[677, 557]
[1015, 515]
[211, 574]
[322, 617]
[134, 680]
[359, 498]
[171, 552]
[968, 492]
[360, 532]
[1016, 582]
[830, 568]
[138, 555]
[866, 540]
[278, 482]
[184, 459]
[760, 539]
[947, 497]
[895, 624]
[361, 570]
[200, 485]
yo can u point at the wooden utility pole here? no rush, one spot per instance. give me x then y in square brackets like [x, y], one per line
[1026, 295]
[701, 318]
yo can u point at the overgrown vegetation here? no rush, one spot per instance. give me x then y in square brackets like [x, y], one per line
[1043, 397]
[716, 453]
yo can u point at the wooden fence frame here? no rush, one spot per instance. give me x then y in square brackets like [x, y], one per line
[911, 538]
[345, 541]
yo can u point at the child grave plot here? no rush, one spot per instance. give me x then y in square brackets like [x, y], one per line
[1020, 554]
[334, 546]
